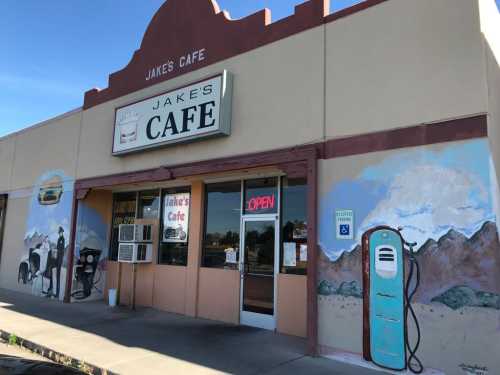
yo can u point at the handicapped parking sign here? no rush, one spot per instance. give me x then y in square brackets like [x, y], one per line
[344, 223]
[344, 229]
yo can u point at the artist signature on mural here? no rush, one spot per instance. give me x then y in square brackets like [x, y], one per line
[474, 369]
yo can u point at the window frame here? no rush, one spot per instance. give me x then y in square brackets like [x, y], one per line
[111, 256]
[205, 219]
[282, 269]
[139, 206]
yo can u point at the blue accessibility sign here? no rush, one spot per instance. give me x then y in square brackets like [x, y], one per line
[345, 230]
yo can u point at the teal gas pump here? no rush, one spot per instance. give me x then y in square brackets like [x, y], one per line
[387, 300]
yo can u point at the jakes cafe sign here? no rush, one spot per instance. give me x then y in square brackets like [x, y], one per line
[200, 110]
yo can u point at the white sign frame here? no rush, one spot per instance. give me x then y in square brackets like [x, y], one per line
[131, 122]
[344, 217]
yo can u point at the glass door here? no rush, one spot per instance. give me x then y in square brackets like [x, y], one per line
[258, 268]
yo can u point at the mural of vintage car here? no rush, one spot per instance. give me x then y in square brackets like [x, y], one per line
[51, 195]
[50, 191]
[34, 263]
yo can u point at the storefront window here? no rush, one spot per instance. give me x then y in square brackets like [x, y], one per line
[294, 226]
[124, 206]
[261, 196]
[174, 225]
[222, 225]
[149, 205]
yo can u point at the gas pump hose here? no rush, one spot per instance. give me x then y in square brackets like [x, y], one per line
[414, 364]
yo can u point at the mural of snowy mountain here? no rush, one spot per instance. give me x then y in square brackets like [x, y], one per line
[455, 270]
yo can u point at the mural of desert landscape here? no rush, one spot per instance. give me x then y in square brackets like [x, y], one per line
[445, 199]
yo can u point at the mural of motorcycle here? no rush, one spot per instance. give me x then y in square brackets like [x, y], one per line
[175, 233]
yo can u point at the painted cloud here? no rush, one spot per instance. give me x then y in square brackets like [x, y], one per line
[428, 200]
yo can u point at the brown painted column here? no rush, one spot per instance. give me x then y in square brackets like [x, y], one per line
[312, 240]
[196, 220]
[71, 249]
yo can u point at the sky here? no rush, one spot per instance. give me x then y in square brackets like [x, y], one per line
[56, 50]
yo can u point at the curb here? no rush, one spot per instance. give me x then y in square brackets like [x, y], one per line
[55, 356]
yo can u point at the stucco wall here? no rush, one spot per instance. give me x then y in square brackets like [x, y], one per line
[7, 147]
[13, 247]
[443, 196]
[490, 26]
[292, 305]
[403, 63]
[277, 102]
[219, 295]
[52, 146]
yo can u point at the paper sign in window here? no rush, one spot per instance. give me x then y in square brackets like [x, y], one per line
[303, 253]
[289, 254]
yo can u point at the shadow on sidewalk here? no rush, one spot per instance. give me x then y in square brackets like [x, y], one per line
[218, 346]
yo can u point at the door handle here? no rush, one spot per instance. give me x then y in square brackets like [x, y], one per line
[241, 268]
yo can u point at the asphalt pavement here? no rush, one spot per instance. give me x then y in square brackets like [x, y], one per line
[18, 361]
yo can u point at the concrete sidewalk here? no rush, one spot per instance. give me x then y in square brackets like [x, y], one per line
[152, 342]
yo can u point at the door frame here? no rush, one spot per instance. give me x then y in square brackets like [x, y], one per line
[250, 318]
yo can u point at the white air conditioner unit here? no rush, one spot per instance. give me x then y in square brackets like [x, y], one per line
[135, 233]
[135, 252]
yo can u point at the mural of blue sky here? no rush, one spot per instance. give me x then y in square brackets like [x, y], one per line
[424, 191]
[46, 219]
[92, 231]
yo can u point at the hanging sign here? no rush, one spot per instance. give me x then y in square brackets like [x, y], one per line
[196, 111]
[344, 227]
[176, 217]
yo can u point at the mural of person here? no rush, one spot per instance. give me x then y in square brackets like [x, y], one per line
[42, 264]
[56, 261]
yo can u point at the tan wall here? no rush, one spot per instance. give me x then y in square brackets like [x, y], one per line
[159, 286]
[403, 63]
[490, 26]
[102, 202]
[52, 146]
[170, 289]
[7, 147]
[292, 305]
[13, 248]
[219, 295]
[196, 219]
[277, 102]
[450, 337]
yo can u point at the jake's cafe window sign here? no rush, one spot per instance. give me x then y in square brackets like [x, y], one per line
[176, 217]
[200, 110]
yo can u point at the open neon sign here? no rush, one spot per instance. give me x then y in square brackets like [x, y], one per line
[260, 203]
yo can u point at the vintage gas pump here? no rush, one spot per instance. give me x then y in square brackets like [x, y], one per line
[387, 301]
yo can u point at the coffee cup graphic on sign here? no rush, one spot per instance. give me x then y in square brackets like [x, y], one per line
[128, 127]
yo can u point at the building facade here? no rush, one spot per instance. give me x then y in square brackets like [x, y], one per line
[263, 154]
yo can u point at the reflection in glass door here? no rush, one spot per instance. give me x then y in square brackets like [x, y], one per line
[258, 272]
